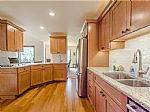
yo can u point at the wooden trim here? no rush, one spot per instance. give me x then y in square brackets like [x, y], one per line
[12, 24]
[106, 9]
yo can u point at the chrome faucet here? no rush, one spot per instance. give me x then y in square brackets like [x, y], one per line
[141, 72]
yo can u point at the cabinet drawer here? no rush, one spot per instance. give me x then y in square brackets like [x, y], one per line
[117, 96]
[23, 69]
[47, 65]
[59, 66]
[90, 91]
[8, 70]
[34, 67]
[90, 75]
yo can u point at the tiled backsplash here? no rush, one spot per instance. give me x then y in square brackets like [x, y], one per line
[125, 56]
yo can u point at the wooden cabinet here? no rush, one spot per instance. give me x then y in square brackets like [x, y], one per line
[58, 45]
[100, 100]
[11, 36]
[59, 72]
[119, 21]
[36, 75]
[105, 98]
[90, 88]
[18, 40]
[139, 15]
[104, 32]
[3, 37]
[23, 79]
[47, 73]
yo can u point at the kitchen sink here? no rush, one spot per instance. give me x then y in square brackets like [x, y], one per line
[118, 75]
[134, 83]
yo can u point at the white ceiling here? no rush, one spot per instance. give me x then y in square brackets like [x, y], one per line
[69, 16]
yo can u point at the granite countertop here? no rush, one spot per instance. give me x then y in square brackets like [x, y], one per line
[140, 95]
[30, 64]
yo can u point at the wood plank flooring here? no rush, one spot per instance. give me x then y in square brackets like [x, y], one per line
[56, 97]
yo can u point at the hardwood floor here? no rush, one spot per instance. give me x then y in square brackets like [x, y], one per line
[56, 97]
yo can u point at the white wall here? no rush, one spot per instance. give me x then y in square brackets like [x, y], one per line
[39, 46]
[125, 56]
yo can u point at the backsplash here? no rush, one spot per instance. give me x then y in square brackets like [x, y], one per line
[125, 56]
[56, 57]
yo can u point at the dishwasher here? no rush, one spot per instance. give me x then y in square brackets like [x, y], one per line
[132, 106]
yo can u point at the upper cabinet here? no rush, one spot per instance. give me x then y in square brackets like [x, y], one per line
[118, 20]
[104, 32]
[58, 44]
[11, 37]
[128, 16]
[139, 15]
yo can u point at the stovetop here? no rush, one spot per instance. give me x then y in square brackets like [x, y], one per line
[6, 65]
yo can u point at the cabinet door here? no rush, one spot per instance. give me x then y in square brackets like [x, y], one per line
[10, 38]
[23, 81]
[36, 77]
[18, 40]
[118, 20]
[53, 45]
[112, 106]
[61, 42]
[100, 100]
[47, 74]
[140, 16]
[3, 39]
[100, 35]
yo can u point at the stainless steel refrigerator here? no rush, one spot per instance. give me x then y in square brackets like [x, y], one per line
[81, 60]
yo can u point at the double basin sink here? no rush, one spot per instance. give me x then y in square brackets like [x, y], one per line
[126, 79]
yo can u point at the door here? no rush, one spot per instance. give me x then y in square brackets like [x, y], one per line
[118, 20]
[3, 37]
[36, 77]
[112, 106]
[61, 45]
[47, 74]
[58, 74]
[140, 16]
[18, 40]
[53, 45]
[24, 81]
[100, 100]
[11, 38]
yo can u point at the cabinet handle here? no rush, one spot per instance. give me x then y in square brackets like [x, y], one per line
[102, 47]
[101, 91]
[123, 32]
[128, 29]
[103, 95]
[131, 108]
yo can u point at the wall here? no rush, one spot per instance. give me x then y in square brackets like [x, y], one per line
[39, 47]
[125, 56]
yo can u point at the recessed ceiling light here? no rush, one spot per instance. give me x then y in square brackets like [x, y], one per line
[52, 14]
[42, 27]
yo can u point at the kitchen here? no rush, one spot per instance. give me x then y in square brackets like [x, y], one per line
[112, 67]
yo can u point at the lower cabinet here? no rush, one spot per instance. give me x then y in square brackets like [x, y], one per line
[23, 81]
[100, 100]
[36, 75]
[59, 72]
[47, 73]
[103, 97]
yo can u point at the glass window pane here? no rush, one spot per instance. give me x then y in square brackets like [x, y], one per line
[27, 55]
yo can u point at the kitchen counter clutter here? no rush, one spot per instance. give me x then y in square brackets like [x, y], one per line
[16, 79]
[139, 94]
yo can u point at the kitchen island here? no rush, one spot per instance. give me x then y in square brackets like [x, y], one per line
[17, 79]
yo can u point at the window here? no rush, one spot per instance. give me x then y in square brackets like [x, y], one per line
[27, 56]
